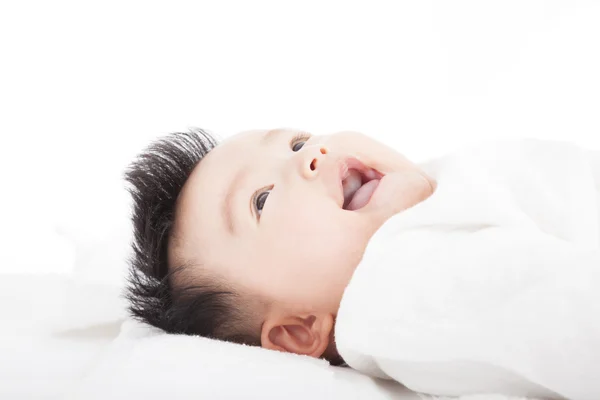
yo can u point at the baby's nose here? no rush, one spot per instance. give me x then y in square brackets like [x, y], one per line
[312, 157]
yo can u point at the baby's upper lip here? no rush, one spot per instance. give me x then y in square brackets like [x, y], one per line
[342, 174]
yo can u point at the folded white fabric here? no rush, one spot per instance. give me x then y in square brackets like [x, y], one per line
[491, 284]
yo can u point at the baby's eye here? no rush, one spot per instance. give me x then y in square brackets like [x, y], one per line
[298, 146]
[299, 141]
[260, 200]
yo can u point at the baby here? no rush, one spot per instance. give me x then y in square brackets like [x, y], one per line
[254, 240]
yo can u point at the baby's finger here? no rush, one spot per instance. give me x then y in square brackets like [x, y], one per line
[400, 191]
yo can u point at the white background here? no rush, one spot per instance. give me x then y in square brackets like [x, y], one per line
[85, 85]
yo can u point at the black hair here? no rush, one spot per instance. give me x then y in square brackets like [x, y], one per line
[156, 177]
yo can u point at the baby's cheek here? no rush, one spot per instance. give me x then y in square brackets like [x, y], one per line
[318, 235]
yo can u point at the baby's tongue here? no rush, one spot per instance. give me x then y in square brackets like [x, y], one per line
[351, 184]
[363, 195]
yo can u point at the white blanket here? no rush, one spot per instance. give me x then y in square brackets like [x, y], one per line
[492, 285]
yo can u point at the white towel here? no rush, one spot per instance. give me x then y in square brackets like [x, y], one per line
[492, 285]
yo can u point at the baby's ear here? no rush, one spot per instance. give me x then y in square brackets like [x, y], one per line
[307, 335]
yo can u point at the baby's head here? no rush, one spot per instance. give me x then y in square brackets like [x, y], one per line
[255, 239]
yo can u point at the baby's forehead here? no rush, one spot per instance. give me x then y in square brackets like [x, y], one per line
[259, 134]
[243, 137]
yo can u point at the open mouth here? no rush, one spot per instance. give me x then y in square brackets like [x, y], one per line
[359, 182]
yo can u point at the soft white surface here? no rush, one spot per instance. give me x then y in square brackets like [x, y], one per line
[53, 329]
[491, 284]
[83, 87]
[145, 363]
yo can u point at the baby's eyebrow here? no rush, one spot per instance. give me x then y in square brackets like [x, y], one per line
[272, 134]
[227, 209]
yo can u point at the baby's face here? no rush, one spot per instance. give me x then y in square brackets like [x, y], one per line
[266, 211]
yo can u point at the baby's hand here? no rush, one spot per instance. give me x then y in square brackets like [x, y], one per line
[404, 184]
[400, 191]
